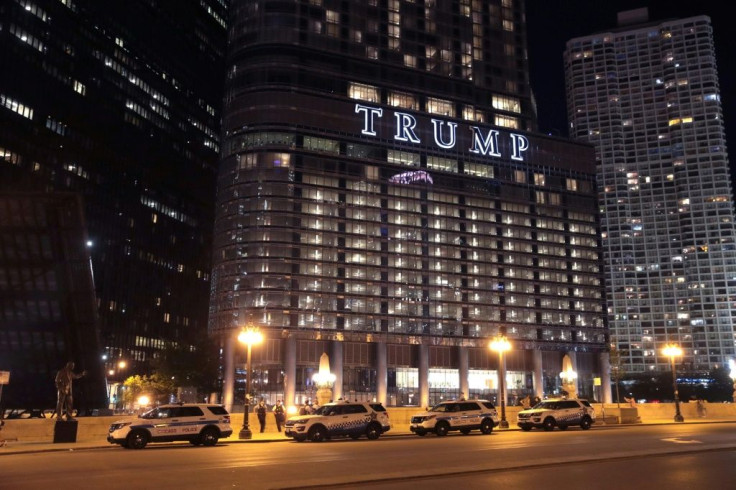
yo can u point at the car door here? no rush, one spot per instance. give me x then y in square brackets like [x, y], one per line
[470, 414]
[189, 420]
[162, 422]
[572, 412]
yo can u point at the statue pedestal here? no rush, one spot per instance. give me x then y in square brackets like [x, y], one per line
[65, 431]
[324, 395]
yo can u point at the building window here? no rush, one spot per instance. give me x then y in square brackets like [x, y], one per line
[361, 91]
[440, 106]
[444, 164]
[403, 158]
[507, 122]
[403, 99]
[504, 103]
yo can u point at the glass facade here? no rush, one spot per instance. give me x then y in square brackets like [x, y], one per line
[647, 96]
[362, 199]
[119, 102]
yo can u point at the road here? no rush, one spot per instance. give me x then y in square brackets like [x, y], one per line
[616, 457]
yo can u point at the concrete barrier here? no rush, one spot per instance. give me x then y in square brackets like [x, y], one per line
[95, 428]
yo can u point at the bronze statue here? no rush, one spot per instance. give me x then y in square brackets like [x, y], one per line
[64, 379]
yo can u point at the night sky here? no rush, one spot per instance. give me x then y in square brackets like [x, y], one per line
[551, 23]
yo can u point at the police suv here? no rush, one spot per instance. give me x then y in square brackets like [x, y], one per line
[342, 418]
[200, 424]
[557, 412]
[462, 415]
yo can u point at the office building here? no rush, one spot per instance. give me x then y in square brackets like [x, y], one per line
[382, 198]
[646, 94]
[119, 102]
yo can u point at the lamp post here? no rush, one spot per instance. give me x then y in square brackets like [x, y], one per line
[673, 350]
[501, 344]
[249, 336]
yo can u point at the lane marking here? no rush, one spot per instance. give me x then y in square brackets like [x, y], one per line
[677, 440]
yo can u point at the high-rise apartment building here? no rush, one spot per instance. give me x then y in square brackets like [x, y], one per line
[119, 102]
[381, 199]
[646, 95]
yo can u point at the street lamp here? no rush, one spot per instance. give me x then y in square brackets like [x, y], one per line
[673, 350]
[500, 344]
[249, 336]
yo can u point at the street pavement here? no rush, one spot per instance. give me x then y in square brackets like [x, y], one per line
[397, 430]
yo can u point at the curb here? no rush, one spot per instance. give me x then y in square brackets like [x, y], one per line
[406, 435]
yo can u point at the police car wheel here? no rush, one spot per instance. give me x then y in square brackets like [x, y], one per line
[441, 429]
[486, 427]
[209, 437]
[585, 423]
[373, 432]
[317, 433]
[137, 440]
[549, 424]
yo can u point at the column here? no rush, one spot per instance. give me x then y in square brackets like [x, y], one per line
[538, 381]
[381, 373]
[605, 367]
[463, 372]
[423, 368]
[290, 372]
[336, 366]
[228, 382]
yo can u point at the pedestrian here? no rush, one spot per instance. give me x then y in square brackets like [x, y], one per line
[526, 402]
[700, 405]
[279, 414]
[261, 412]
[536, 401]
[304, 409]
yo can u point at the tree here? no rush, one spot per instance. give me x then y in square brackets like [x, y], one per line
[190, 364]
[155, 386]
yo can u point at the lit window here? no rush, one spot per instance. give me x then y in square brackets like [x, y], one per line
[361, 91]
[403, 99]
[440, 106]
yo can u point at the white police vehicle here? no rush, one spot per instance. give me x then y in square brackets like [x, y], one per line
[557, 412]
[200, 424]
[462, 415]
[341, 418]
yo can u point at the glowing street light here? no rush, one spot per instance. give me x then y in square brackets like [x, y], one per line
[674, 350]
[249, 336]
[501, 344]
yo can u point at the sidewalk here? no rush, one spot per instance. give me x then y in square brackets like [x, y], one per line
[24, 447]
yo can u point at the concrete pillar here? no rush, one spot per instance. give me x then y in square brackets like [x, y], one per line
[423, 378]
[336, 367]
[290, 372]
[503, 384]
[463, 372]
[570, 385]
[228, 381]
[381, 373]
[605, 370]
[538, 381]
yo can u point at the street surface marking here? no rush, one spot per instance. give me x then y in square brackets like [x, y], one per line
[677, 440]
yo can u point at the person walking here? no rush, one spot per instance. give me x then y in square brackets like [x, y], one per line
[261, 413]
[279, 414]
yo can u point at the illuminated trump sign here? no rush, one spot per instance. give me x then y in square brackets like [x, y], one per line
[483, 142]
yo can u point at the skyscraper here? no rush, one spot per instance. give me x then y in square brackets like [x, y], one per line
[382, 199]
[646, 95]
[118, 101]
